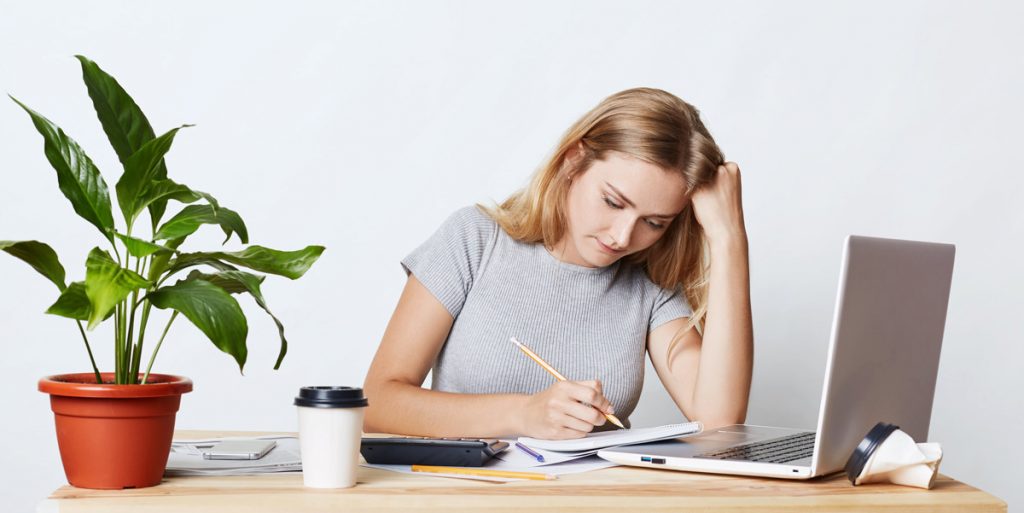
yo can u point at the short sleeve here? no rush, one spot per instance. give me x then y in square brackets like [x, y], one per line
[448, 262]
[669, 305]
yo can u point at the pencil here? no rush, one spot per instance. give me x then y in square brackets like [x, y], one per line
[483, 472]
[611, 418]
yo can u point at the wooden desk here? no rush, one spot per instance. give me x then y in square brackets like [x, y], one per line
[618, 489]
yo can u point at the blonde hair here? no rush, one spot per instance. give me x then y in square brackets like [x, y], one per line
[656, 127]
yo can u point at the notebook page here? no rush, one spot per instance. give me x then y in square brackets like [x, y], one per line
[615, 438]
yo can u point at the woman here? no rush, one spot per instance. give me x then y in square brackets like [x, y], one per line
[635, 218]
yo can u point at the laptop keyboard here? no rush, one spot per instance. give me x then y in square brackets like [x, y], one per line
[777, 450]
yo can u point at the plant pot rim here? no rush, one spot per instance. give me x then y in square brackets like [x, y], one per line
[83, 384]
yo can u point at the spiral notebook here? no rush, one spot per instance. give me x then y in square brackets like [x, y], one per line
[604, 439]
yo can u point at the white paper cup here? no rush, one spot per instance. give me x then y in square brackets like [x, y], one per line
[330, 432]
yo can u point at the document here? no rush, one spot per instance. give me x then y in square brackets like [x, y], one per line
[604, 439]
[186, 458]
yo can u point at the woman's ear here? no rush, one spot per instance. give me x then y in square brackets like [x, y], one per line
[571, 162]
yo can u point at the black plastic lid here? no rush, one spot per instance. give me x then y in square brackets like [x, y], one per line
[331, 397]
[866, 448]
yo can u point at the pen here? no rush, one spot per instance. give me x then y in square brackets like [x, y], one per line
[483, 472]
[611, 418]
[531, 452]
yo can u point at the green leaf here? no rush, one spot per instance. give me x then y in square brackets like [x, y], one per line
[164, 190]
[107, 284]
[236, 282]
[290, 264]
[73, 303]
[140, 248]
[161, 261]
[193, 216]
[140, 171]
[40, 256]
[77, 177]
[212, 310]
[123, 121]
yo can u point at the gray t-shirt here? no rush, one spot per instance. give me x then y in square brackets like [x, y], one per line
[589, 323]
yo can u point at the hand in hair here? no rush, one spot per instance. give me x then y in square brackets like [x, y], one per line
[564, 410]
[718, 205]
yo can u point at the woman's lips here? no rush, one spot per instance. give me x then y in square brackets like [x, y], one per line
[607, 249]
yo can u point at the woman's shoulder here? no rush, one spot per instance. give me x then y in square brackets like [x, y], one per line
[470, 219]
[467, 227]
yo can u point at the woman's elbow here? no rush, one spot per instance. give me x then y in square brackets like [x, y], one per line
[374, 420]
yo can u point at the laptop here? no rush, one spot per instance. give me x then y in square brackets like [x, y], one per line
[883, 358]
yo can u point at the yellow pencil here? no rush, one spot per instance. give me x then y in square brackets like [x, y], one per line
[611, 418]
[483, 472]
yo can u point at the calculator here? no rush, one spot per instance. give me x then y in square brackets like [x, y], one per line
[449, 452]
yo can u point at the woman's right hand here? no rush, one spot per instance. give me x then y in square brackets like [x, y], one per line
[564, 410]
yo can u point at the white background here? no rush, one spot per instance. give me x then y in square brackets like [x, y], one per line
[362, 125]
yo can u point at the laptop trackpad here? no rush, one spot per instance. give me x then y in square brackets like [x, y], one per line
[725, 436]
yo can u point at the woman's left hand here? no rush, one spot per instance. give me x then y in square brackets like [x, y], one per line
[718, 206]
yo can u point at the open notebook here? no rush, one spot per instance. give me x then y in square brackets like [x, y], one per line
[605, 439]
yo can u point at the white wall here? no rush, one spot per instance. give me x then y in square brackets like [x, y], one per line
[362, 125]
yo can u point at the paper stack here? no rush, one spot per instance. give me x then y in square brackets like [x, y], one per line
[186, 458]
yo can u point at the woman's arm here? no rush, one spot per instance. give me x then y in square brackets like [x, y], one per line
[709, 378]
[398, 405]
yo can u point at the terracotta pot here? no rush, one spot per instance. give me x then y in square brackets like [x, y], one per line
[114, 436]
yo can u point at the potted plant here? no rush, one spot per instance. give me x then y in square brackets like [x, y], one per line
[114, 429]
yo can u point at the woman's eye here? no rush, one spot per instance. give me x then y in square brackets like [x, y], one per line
[656, 226]
[611, 203]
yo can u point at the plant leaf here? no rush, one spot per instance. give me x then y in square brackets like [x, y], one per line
[107, 284]
[77, 177]
[123, 121]
[161, 261]
[290, 264]
[140, 248]
[163, 190]
[40, 256]
[140, 171]
[193, 216]
[126, 126]
[236, 282]
[73, 303]
[212, 310]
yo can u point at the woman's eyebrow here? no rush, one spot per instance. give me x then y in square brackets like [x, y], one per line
[630, 203]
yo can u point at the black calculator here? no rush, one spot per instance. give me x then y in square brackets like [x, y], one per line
[449, 452]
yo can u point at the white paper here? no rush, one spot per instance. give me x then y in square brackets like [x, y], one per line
[186, 458]
[595, 441]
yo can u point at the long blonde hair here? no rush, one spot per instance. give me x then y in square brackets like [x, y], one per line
[654, 126]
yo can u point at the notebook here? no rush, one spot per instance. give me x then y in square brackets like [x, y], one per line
[616, 438]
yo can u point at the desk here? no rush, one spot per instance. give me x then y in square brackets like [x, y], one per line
[618, 489]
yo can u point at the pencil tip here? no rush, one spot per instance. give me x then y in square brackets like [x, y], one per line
[615, 420]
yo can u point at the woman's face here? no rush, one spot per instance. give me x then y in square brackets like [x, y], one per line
[621, 205]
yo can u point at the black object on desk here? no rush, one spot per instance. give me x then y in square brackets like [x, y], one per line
[449, 452]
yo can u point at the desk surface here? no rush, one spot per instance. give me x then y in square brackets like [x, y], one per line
[619, 489]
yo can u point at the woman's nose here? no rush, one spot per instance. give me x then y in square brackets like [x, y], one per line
[622, 232]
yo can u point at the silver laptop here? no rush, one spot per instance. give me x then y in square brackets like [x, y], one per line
[883, 358]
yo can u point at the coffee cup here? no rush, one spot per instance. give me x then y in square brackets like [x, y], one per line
[330, 432]
[889, 455]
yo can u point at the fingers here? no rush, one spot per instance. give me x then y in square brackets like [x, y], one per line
[591, 392]
[582, 415]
